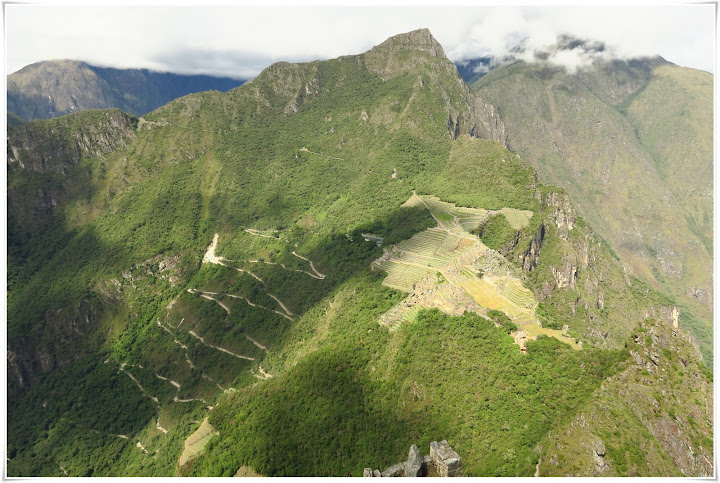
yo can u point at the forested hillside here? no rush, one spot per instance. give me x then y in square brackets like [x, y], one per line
[310, 273]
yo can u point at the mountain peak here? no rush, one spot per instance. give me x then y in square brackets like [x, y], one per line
[404, 51]
[419, 40]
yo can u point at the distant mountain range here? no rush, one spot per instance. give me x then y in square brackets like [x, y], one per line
[57, 87]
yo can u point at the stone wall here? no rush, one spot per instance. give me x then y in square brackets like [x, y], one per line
[442, 461]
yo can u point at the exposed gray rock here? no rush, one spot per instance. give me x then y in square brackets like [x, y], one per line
[598, 454]
[561, 212]
[566, 276]
[529, 258]
[413, 465]
[442, 461]
[427, 462]
[394, 470]
[599, 448]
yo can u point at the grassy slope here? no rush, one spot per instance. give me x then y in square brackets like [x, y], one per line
[676, 132]
[659, 392]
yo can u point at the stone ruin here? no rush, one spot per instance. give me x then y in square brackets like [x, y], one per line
[442, 461]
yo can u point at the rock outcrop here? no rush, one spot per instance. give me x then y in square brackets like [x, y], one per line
[55, 146]
[560, 211]
[529, 258]
[664, 398]
[413, 465]
[403, 52]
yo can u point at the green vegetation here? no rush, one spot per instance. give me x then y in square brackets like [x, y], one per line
[88, 403]
[496, 232]
[106, 281]
[291, 426]
[619, 416]
[502, 319]
[14, 120]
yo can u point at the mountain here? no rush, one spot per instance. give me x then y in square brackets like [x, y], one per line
[312, 272]
[57, 87]
[631, 142]
[472, 69]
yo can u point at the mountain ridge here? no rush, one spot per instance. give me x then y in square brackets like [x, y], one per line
[218, 272]
[53, 88]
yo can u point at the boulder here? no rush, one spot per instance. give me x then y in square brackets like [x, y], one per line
[394, 470]
[413, 466]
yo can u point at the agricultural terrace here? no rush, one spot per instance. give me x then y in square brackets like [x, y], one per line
[196, 442]
[501, 293]
[426, 253]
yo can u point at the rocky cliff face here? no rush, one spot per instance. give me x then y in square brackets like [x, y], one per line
[58, 339]
[577, 283]
[61, 336]
[399, 55]
[54, 147]
[44, 160]
[402, 53]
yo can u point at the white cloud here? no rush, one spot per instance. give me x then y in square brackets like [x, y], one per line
[240, 40]
[681, 34]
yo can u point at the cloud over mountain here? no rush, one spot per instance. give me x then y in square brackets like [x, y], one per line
[239, 41]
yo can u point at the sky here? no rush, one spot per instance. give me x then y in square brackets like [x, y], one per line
[240, 40]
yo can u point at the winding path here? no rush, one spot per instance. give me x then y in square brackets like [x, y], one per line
[202, 341]
[247, 301]
[263, 375]
[280, 304]
[317, 274]
[142, 389]
[173, 335]
[257, 344]
[227, 309]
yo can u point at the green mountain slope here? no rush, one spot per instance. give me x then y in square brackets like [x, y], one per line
[631, 143]
[631, 425]
[209, 273]
[57, 87]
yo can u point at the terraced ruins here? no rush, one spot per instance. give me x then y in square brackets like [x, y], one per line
[196, 442]
[447, 267]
